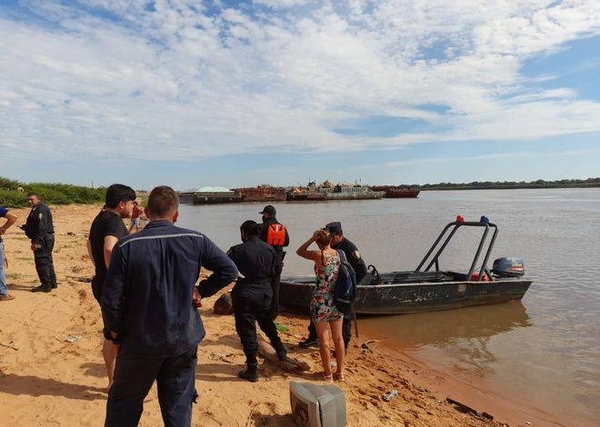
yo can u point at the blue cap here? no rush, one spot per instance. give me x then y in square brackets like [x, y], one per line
[334, 227]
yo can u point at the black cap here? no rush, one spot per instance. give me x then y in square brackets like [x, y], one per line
[269, 209]
[334, 227]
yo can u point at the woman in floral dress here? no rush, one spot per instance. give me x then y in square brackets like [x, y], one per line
[322, 308]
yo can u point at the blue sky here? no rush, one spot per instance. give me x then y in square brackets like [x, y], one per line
[282, 92]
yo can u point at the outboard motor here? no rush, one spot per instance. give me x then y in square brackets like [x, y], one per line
[508, 267]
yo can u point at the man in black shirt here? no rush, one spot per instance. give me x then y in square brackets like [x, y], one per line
[40, 229]
[276, 235]
[252, 294]
[107, 228]
[339, 242]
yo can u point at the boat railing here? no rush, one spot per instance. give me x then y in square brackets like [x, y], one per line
[432, 257]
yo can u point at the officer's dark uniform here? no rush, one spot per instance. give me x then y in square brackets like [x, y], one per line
[148, 301]
[252, 294]
[354, 258]
[360, 268]
[279, 252]
[40, 229]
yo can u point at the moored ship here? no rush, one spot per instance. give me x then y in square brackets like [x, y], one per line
[397, 191]
[350, 192]
[209, 195]
[262, 193]
[327, 191]
[309, 193]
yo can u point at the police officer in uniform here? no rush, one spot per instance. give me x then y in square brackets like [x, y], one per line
[40, 229]
[251, 296]
[149, 307]
[276, 235]
[338, 241]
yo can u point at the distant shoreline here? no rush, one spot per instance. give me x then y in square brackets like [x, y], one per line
[511, 185]
[13, 193]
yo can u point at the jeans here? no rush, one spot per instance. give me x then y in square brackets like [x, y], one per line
[134, 375]
[3, 288]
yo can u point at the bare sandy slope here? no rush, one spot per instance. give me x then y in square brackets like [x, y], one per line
[52, 373]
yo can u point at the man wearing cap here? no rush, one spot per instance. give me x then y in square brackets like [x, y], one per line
[339, 242]
[276, 235]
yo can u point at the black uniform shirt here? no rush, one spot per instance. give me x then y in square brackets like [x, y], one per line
[39, 223]
[254, 260]
[354, 258]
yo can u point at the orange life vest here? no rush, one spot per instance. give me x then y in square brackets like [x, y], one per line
[276, 235]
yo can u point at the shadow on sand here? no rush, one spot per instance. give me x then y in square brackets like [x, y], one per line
[270, 420]
[35, 386]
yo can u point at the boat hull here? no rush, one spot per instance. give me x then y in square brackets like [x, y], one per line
[206, 198]
[395, 192]
[348, 195]
[416, 297]
[304, 197]
[261, 193]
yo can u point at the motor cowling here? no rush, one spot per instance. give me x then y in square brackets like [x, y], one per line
[508, 267]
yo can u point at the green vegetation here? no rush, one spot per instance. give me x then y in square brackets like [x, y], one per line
[511, 185]
[13, 194]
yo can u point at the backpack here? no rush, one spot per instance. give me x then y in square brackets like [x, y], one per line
[344, 292]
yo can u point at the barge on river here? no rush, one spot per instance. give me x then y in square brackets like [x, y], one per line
[397, 192]
[209, 196]
[327, 191]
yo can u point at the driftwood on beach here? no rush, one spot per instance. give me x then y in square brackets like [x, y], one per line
[290, 364]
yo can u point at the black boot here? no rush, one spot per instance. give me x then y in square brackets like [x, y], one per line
[251, 373]
[309, 342]
[281, 351]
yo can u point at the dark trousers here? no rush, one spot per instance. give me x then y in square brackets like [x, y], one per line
[346, 330]
[275, 279]
[44, 265]
[274, 308]
[134, 376]
[251, 305]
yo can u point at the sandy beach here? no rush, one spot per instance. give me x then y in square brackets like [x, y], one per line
[52, 373]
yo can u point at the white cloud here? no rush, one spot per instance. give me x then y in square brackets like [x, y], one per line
[498, 156]
[192, 80]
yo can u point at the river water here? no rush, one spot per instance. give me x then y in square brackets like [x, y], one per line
[545, 349]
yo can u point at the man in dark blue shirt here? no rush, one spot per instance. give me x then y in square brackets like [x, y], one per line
[149, 307]
[252, 294]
